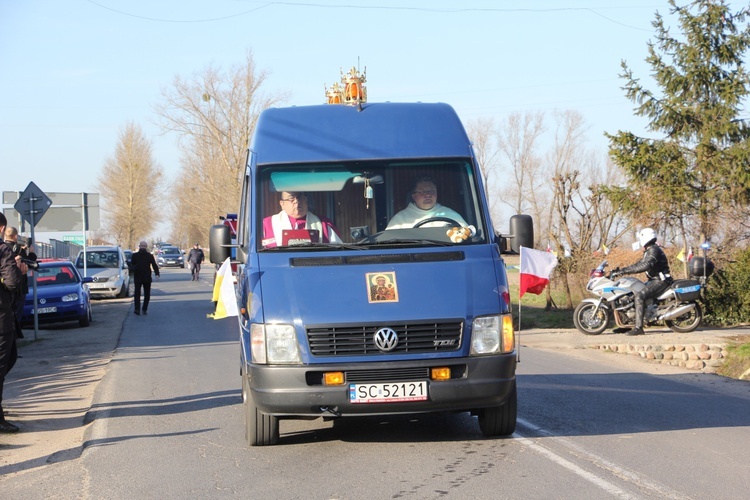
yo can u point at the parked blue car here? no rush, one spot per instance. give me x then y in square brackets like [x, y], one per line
[62, 295]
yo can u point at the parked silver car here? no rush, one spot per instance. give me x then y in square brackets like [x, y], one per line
[108, 268]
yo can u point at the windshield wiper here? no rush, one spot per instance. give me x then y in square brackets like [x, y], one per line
[395, 241]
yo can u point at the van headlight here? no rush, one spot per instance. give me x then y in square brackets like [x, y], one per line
[492, 335]
[274, 344]
[116, 277]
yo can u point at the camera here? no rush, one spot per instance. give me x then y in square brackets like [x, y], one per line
[359, 232]
[28, 258]
[33, 264]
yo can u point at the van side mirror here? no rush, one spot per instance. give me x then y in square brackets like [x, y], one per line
[521, 235]
[219, 241]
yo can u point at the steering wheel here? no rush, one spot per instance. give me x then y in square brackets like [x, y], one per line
[436, 219]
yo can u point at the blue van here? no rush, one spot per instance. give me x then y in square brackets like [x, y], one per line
[370, 276]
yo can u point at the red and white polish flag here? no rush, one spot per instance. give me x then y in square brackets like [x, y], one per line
[536, 268]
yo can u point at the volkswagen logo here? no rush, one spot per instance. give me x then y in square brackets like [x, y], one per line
[386, 339]
[42, 301]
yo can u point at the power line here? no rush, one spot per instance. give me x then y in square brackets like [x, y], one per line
[378, 7]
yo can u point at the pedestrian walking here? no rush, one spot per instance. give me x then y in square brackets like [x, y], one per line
[195, 257]
[141, 264]
[11, 270]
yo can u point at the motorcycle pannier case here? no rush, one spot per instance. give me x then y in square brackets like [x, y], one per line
[700, 266]
[687, 290]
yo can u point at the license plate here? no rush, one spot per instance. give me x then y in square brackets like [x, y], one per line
[391, 392]
[43, 310]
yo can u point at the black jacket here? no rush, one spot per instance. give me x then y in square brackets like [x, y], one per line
[654, 263]
[10, 278]
[195, 256]
[141, 264]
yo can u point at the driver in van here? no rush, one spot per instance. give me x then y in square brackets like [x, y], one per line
[423, 206]
[294, 215]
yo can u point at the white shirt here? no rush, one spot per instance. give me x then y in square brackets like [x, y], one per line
[412, 214]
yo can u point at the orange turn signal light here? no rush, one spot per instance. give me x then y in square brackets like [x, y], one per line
[333, 378]
[440, 373]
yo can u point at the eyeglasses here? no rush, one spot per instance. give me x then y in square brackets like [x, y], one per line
[427, 192]
[293, 199]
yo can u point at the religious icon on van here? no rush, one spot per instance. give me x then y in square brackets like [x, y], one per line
[382, 287]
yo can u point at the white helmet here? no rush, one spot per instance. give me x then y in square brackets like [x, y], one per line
[646, 236]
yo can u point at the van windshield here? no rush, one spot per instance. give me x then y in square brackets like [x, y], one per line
[425, 202]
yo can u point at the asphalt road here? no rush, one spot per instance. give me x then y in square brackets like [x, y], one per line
[166, 421]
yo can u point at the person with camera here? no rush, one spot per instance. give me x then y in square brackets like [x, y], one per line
[11, 239]
[12, 268]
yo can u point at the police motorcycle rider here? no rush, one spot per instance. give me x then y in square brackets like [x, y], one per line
[656, 266]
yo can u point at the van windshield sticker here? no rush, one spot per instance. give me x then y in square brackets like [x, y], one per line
[381, 287]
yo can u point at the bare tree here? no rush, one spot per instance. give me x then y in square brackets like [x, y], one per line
[214, 113]
[130, 183]
[518, 141]
[482, 132]
[584, 217]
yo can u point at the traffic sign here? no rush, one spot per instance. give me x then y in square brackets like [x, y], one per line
[32, 204]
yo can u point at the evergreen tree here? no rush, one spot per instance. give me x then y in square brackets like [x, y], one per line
[699, 164]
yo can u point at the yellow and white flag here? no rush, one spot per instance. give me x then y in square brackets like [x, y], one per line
[681, 255]
[224, 294]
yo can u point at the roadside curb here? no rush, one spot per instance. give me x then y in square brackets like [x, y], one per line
[702, 351]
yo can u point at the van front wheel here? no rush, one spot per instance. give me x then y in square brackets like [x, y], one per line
[500, 420]
[261, 429]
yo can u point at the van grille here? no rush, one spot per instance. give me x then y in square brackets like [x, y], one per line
[357, 340]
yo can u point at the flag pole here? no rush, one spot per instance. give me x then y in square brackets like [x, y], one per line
[518, 339]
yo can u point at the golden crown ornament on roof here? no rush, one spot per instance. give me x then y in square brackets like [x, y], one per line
[353, 91]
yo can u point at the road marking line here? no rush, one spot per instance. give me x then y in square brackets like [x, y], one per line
[616, 470]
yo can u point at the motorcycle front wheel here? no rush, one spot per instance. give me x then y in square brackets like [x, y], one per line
[589, 319]
[687, 322]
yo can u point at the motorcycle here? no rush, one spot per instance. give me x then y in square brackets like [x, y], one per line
[677, 307]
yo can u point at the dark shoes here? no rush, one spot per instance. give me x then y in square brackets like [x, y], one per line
[8, 428]
[634, 331]
[145, 313]
[137, 313]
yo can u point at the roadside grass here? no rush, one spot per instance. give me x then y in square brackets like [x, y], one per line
[532, 307]
[737, 361]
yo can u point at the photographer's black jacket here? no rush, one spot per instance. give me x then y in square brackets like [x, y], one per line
[27, 256]
[10, 276]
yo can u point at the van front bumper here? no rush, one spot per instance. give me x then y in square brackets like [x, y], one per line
[297, 391]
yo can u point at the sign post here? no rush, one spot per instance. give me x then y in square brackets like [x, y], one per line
[32, 205]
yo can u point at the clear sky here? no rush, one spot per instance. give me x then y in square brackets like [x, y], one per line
[74, 72]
